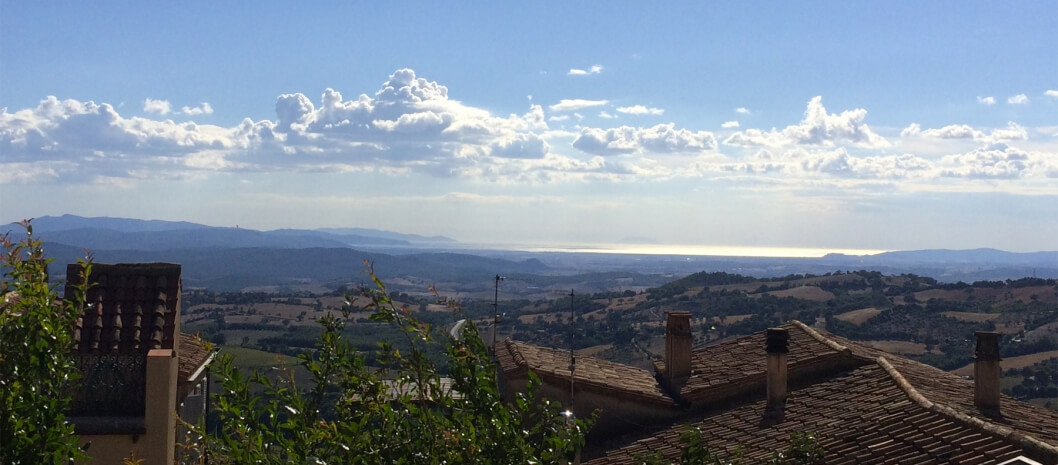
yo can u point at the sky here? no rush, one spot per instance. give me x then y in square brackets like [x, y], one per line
[825, 125]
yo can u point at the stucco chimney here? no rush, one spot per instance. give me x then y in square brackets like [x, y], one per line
[678, 346]
[777, 344]
[987, 372]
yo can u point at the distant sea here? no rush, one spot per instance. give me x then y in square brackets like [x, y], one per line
[693, 250]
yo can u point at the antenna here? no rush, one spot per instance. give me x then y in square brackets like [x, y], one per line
[496, 312]
[572, 356]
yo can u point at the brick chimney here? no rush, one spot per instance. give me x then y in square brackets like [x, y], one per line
[678, 346]
[987, 372]
[777, 345]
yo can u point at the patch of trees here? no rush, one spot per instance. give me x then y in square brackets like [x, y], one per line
[1037, 381]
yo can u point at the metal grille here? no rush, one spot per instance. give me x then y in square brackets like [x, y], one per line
[111, 385]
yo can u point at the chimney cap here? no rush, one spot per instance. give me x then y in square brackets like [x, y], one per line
[777, 341]
[987, 348]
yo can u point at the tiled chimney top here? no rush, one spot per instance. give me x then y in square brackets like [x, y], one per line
[129, 307]
[777, 345]
[678, 343]
[987, 373]
[987, 348]
[777, 341]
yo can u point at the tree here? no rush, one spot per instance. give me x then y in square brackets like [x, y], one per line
[36, 364]
[346, 413]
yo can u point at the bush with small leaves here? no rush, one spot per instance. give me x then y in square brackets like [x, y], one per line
[36, 364]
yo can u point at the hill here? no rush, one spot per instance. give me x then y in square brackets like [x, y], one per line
[132, 234]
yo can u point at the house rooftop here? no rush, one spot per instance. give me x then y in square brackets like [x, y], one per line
[862, 416]
[863, 405]
[130, 307]
[591, 373]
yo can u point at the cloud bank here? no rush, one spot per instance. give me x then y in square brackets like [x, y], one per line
[411, 125]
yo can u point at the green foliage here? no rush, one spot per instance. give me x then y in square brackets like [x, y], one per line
[36, 334]
[402, 413]
[803, 450]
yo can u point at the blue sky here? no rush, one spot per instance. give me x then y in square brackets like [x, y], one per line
[808, 124]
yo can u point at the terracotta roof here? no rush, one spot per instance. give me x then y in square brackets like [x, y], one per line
[194, 354]
[861, 416]
[592, 373]
[730, 367]
[951, 391]
[865, 406]
[130, 307]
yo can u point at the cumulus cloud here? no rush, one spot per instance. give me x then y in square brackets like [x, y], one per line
[640, 110]
[1051, 93]
[520, 146]
[1013, 131]
[816, 128]
[408, 125]
[1019, 99]
[662, 138]
[596, 69]
[203, 109]
[606, 115]
[742, 110]
[412, 125]
[157, 107]
[989, 101]
[837, 163]
[995, 161]
[94, 138]
[576, 104]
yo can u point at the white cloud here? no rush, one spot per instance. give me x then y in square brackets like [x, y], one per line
[1013, 131]
[204, 109]
[576, 104]
[742, 111]
[996, 161]
[1019, 99]
[1051, 93]
[837, 163]
[520, 146]
[662, 138]
[596, 69]
[954, 131]
[817, 128]
[640, 110]
[989, 101]
[412, 126]
[408, 125]
[606, 115]
[158, 107]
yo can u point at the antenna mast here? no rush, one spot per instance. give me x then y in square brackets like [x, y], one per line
[496, 312]
[572, 357]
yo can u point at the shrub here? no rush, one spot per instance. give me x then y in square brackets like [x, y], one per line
[36, 364]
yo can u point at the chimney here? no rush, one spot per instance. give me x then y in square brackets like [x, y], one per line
[986, 372]
[777, 344]
[678, 346]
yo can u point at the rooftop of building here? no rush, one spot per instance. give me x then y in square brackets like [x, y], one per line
[863, 405]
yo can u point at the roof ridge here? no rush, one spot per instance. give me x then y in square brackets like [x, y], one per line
[821, 338]
[516, 354]
[1025, 440]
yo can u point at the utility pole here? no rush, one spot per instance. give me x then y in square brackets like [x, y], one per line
[496, 312]
[572, 357]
